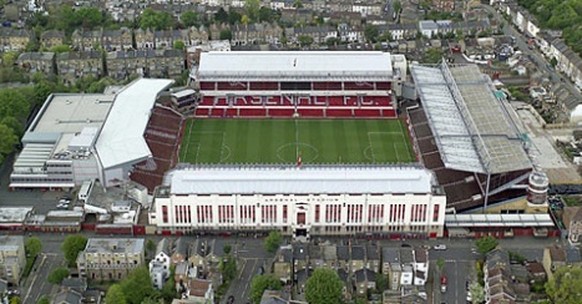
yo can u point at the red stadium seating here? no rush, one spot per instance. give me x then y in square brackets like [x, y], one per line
[376, 101]
[311, 112]
[359, 86]
[336, 101]
[231, 112]
[202, 112]
[264, 86]
[339, 113]
[367, 113]
[221, 101]
[231, 86]
[327, 86]
[280, 112]
[207, 101]
[246, 112]
[383, 86]
[389, 113]
[217, 112]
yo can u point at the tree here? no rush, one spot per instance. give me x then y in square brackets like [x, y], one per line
[371, 33]
[266, 14]
[225, 34]
[8, 141]
[43, 300]
[150, 245]
[397, 6]
[324, 287]
[433, 55]
[221, 16]
[227, 249]
[554, 62]
[15, 300]
[381, 282]
[486, 244]
[115, 295]
[33, 246]
[305, 40]
[158, 20]
[440, 264]
[261, 283]
[273, 241]
[71, 247]
[168, 291]
[477, 293]
[228, 267]
[234, 17]
[252, 9]
[9, 58]
[63, 48]
[190, 18]
[58, 275]
[565, 287]
[179, 45]
[137, 286]
[298, 4]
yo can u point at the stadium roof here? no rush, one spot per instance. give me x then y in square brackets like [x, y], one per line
[278, 66]
[474, 130]
[121, 140]
[498, 220]
[280, 180]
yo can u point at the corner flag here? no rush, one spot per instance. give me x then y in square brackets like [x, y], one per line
[299, 161]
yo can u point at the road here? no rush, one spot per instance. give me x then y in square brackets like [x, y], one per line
[538, 58]
[36, 284]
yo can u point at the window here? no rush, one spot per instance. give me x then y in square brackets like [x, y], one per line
[284, 213]
[435, 213]
[316, 213]
[165, 214]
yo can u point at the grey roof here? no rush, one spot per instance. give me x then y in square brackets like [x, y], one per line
[77, 284]
[164, 246]
[390, 255]
[286, 254]
[358, 253]
[573, 255]
[11, 242]
[116, 245]
[363, 275]
[499, 220]
[315, 252]
[52, 34]
[36, 56]
[82, 55]
[497, 257]
[427, 25]
[372, 252]
[474, 130]
[343, 275]
[200, 248]
[181, 246]
[300, 252]
[329, 252]
[406, 256]
[3, 286]
[68, 297]
[343, 253]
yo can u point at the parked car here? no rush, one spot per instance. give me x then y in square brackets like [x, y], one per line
[440, 247]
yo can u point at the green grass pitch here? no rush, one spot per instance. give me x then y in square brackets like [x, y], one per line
[270, 141]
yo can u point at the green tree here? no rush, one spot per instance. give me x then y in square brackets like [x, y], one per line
[221, 16]
[324, 287]
[244, 20]
[227, 268]
[234, 17]
[15, 300]
[190, 18]
[260, 283]
[137, 286]
[273, 241]
[397, 6]
[63, 48]
[227, 249]
[298, 4]
[305, 40]
[33, 246]
[433, 55]
[266, 14]
[58, 275]
[9, 58]
[158, 20]
[168, 291]
[554, 62]
[371, 33]
[179, 45]
[486, 244]
[252, 8]
[43, 300]
[150, 245]
[8, 141]
[565, 287]
[72, 245]
[381, 282]
[225, 34]
[115, 295]
[477, 293]
[13, 103]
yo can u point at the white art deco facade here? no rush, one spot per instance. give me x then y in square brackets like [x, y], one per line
[301, 201]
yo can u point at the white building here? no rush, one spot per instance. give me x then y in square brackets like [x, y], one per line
[80, 137]
[160, 265]
[301, 201]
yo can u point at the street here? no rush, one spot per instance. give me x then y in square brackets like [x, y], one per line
[36, 285]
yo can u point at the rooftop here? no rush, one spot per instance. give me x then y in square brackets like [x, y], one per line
[295, 65]
[95, 245]
[277, 180]
[475, 131]
[498, 220]
[14, 214]
[121, 140]
[11, 242]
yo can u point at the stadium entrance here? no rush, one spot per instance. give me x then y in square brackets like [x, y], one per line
[301, 234]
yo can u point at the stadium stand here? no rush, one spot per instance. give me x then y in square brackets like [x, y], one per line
[163, 134]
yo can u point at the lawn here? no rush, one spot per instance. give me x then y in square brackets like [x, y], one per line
[270, 141]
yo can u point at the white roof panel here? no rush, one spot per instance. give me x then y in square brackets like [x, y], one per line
[306, 180]
[498, 220]
[121, 140]
[372, 65]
